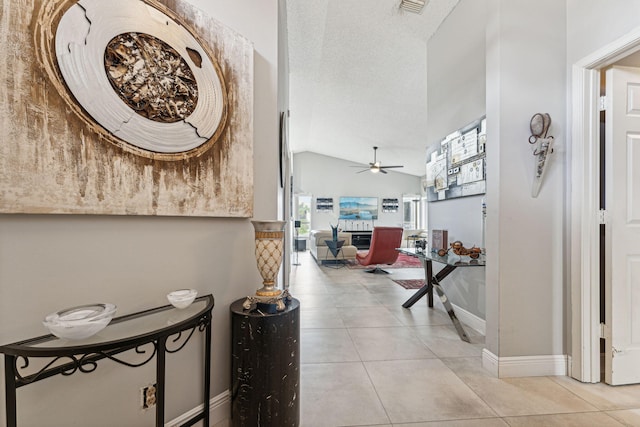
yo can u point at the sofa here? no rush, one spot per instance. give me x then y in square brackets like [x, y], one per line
[321, 252]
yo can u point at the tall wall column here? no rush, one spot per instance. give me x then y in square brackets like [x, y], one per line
[525, 74]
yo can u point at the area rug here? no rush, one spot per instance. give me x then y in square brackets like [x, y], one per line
[403, 261]
[410, 283]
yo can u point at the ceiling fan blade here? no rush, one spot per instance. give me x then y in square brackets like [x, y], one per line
[375, 167]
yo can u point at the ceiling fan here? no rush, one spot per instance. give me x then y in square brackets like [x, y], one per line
[376, 166]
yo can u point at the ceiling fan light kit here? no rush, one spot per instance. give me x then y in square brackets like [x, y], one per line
[376, 166]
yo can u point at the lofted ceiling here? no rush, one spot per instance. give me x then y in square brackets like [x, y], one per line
[358, 79]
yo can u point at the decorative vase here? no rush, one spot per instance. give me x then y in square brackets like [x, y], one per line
[269, 237]
[334, 232]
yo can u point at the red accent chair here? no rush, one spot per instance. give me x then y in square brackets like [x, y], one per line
[382, 250]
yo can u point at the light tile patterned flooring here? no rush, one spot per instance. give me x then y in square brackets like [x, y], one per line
[366, 361]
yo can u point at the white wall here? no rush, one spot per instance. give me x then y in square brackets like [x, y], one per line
[591, 24]
[258, 21]
[323, 176]
[525, 253]
[48, 262]
[456, 70]
[284, 193]
[480, 61]
[525, 299]
[456, 97]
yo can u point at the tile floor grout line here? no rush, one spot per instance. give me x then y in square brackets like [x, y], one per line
[577, 395]
[375, 389]
[561, 413]
[471, 388]
[355, 346]
[318, 283]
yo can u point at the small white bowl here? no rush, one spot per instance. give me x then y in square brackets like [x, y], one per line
[80, 322]
[182, 298]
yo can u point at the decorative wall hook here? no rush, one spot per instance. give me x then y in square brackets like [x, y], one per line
[543, 145]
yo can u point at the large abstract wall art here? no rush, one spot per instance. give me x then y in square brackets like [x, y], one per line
[456, 165]
[124, 107]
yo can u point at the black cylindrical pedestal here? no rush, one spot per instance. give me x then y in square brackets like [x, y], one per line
[265, 366]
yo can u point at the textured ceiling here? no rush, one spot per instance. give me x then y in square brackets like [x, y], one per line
[358, 79]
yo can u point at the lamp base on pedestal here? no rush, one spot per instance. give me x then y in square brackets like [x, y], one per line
[280, 300]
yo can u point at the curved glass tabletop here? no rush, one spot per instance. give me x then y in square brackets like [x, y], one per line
[120, 331]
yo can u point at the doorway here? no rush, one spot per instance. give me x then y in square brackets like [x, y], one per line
[302, 213]
[412, 212]
[589, 253]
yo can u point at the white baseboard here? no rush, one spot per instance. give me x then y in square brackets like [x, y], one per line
[219, 410]
[470, 319]
[490, 362]
[466, 317]
[524, 366]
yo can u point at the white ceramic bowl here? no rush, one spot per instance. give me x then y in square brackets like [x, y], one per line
[182, 298]
[80, 322]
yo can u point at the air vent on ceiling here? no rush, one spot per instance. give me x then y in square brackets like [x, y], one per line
[414, 6]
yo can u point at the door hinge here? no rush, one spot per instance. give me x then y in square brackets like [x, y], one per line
[603, 217]
[602, 105]
[605, 331]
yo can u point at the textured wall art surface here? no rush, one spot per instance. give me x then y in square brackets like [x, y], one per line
[147, 111]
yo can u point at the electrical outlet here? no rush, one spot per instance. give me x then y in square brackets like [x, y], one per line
[148, 396]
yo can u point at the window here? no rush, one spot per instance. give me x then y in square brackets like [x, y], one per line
[303, 214]
[411, 208]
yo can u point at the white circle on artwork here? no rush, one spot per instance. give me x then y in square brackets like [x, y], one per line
[140, 74]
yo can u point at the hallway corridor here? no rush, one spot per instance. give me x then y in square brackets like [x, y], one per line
[366, 361]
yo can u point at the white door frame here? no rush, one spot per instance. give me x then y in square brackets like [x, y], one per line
[584, 176]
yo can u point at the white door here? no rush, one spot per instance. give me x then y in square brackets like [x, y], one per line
[622, 192]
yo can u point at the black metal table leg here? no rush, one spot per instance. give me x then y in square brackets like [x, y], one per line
[207, 372]
[427, 289]
[160, 380]
[415, 297]
[428, 279]
[10, 389]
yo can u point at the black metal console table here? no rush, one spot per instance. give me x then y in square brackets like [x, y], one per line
[146, 332]
[432, 281]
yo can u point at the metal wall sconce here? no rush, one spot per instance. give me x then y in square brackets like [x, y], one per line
[543, 146]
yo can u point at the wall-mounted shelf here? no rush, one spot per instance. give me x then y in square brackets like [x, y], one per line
[145, 332]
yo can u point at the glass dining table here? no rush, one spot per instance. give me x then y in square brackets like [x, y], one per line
[451, 262]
